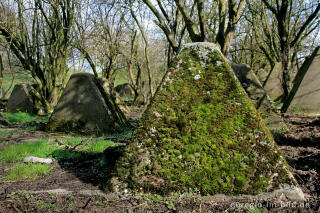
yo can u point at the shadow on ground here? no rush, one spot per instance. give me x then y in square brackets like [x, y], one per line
[90, 167]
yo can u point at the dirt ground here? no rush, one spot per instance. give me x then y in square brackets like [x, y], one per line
[75, 185]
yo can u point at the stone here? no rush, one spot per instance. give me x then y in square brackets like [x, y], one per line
[262, 75]
[273, 85]
[125, 91]
[259, 97]
[32, 159]
[84, 106]
[20, 99]
[305, 94]
[209, 137]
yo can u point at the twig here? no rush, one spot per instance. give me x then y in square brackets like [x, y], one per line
[15, 208]
[59, 142]
[83, 207]
[79, 144]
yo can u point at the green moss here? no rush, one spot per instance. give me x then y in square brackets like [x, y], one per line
[207, 135]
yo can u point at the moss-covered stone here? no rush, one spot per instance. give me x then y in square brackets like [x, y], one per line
[85, 107]
[125, 91]
[201, 133]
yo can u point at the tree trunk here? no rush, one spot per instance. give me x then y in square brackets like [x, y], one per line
[285, 72]
[1, 71]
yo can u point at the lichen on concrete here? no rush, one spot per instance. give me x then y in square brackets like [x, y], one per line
[201, 133]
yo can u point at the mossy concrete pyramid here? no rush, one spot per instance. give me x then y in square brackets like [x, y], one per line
[85, 106]
[201, 133]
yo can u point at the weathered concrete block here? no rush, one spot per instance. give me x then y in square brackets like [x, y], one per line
[20, 99]
[305, 94]
[259, 97]
[273, 85]
[84, 106]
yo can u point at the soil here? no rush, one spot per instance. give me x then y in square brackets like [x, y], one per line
[77, 184]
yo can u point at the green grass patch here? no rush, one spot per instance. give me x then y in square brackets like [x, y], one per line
[88, 143]
[72, 141]
[31, 128]
[27, 171]
[22, 117]
[59, 154]
[98, 146]
[21, 76]
[15, 153]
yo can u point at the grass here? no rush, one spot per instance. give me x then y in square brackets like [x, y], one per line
[19, 78]
[72, 141]
[22, 117]
[297, 110]
[256, 210]
[98, 146]
[31, 128]
[59, 154]
[15, 153]
[28, 171]
[88, 143]
[279, 104]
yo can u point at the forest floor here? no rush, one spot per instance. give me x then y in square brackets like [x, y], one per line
[78, 175]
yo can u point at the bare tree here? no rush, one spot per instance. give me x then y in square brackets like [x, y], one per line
[295, 19]
[198, 18]
[40, 39]
[170, 20]
[100, 33]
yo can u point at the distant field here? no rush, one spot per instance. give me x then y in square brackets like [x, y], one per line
[17, 78]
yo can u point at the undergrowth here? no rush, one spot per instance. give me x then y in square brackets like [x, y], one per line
[68, 148]
[22, 117]
[28, 171]
[16, 153]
